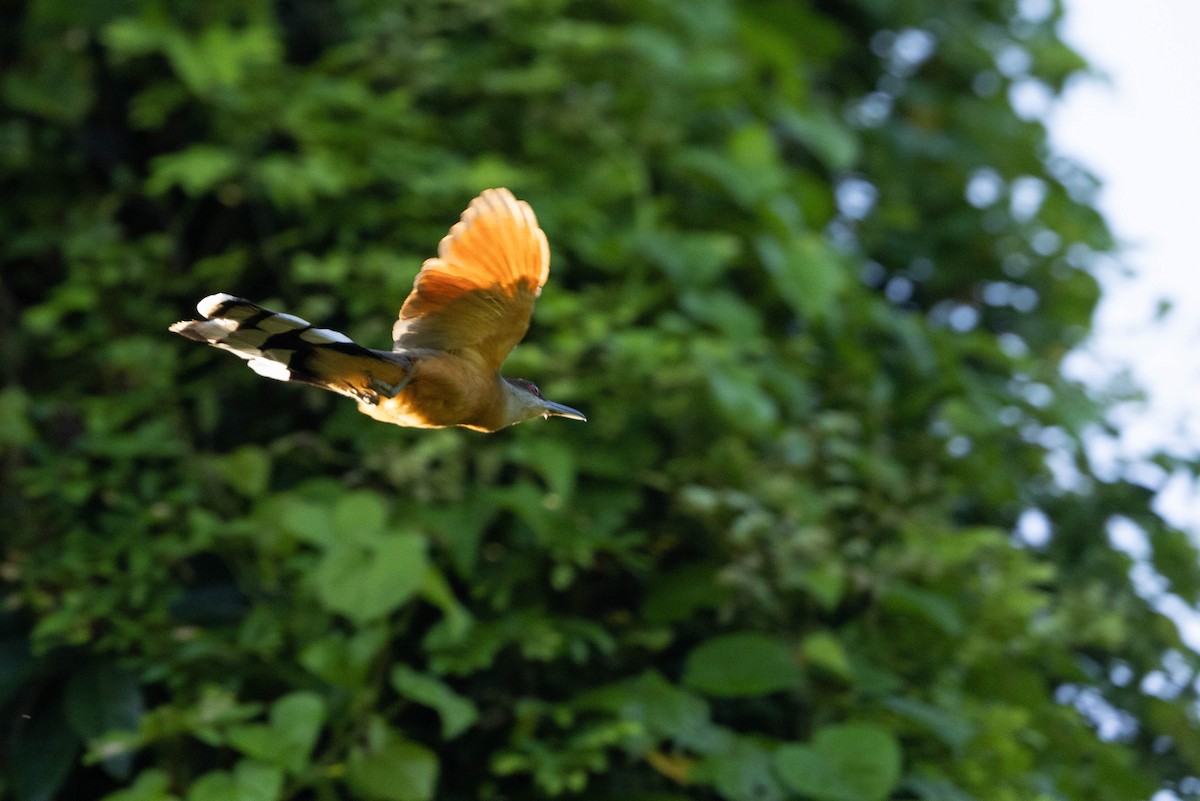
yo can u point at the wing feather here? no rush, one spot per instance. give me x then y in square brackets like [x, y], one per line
[478, 292]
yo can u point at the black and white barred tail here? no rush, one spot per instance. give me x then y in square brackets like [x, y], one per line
[287, 348]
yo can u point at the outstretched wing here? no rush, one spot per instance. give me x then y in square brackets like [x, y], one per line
[478, 293]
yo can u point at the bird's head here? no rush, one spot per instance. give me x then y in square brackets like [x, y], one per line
[525, 402]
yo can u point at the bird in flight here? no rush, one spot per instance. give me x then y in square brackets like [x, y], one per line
[469, 306]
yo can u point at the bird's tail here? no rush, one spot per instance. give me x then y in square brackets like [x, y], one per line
[286, 348]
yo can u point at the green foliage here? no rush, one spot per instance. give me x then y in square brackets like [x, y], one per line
[738, 664]
[844, 763]
[812, 281]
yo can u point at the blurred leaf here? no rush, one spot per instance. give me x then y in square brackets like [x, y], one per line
[854, 762]
[457, 713]
[744, 403]
[359, 516]
[935, 608]
[822, 133]
[248, 781]
[368, 580]
[1173, 556]
[288, 738]
[400, 770]
[345, 660]
[665, 711]
[680, 593]
[808, 274]
[101, 698]
[15, 426]
[60, 90]
[247, 470]
[950, 726]
[195, 170]
[150, 785]
[691, 258]
[741, 769]
[311, 522]
[41, 755]
[741, 664]
[823, 650]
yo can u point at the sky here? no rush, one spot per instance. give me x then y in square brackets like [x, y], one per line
[1138, 131]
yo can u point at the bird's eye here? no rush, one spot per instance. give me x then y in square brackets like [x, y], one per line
[533, 388]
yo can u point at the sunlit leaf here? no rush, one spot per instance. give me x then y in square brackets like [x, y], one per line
[366, 580]
[248, 781]
[400, 770]
[287, 739]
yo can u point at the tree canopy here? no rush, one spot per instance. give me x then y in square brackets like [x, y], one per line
[831, 532]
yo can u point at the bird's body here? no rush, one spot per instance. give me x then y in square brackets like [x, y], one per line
[444, 389]
[469, 306]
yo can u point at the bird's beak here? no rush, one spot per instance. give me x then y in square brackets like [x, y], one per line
[558, 410]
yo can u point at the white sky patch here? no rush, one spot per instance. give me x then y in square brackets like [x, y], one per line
[1139, 132]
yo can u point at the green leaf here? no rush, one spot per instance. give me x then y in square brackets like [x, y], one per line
[437, 591]
[823, 650]
[553, 460]
[345, 660]
[742, 768]
[41, 754]
[741, 664]
[196, 170]
[691, 258]
[101, 698]
[953, 728]
[824, 134]
[249, 781]
[743, 402]
[150, 785]
[398, 771]
[1173, 556]
[825, 583]
[755, 157]
[678, 594]
[131, 36]
[15, 427]
[360, 516]
[905, 599]
[287, 739]
[664, 711]
[247, 470]
[936, 788]
[854, 762]
[364, 581]
[307, 521]
[221, 56]
[59, 91]
[296, 180]
[457, 713]
[806, 271]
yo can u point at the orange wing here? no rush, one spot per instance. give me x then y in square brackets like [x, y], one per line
[478, 293]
